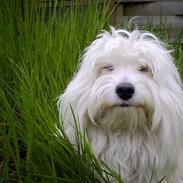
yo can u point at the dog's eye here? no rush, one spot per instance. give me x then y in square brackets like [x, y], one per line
[108, 68]
[143, 69]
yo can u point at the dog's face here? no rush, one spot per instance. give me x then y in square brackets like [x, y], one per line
[124, 81]
[124, 86]
[123, 77]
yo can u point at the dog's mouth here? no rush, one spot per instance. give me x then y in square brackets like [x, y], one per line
[128, 105]
[125, 104]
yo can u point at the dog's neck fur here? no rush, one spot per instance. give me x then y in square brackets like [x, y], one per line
[128, 146]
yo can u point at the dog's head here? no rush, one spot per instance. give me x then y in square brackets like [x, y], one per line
[124, 79]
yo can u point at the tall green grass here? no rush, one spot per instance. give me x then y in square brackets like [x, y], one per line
[40, 45]
[39, 51]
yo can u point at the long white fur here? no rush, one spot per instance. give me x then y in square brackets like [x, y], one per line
[136, 141]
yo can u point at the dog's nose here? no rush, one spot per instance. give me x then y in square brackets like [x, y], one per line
[125, 90]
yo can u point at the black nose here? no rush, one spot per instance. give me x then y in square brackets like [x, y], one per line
[125, 90]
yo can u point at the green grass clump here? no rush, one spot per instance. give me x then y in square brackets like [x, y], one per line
[40, 45]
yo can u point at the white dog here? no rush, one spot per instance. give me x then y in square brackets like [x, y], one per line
[128, 96]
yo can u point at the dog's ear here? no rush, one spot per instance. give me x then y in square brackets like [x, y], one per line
[72, 103]
[169, 107]
[69, 111]
[171, 111]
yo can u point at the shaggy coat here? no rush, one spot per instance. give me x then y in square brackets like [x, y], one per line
[138, 135]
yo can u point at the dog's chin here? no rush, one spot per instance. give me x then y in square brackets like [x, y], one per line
[124, 116]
